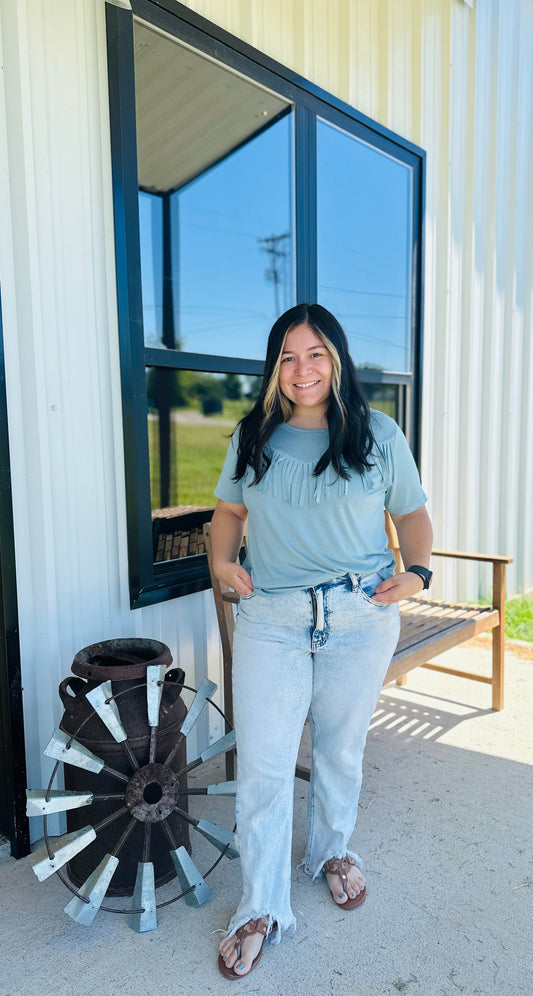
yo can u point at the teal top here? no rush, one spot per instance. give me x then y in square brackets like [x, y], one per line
[305, 530]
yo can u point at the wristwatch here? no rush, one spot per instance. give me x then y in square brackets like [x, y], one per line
[423, 572]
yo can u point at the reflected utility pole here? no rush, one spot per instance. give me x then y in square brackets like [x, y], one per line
[272, 246]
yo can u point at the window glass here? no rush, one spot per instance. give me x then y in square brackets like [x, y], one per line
[215, 168]
[235, 272]
[151, 244]
[364, 244]
[384, 397]
[191, 417]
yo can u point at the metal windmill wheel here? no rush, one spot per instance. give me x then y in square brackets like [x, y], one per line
[146, 796]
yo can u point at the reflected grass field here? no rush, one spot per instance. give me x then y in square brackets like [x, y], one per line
[197, 452]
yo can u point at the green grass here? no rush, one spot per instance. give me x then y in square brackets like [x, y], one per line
[197, 452]
[519, 618]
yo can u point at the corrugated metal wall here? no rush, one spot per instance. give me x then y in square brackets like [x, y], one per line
[459, 82]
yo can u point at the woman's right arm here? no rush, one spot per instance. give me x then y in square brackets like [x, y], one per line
[227, 527]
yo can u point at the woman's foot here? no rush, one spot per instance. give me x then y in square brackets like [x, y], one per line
[242, 951]
[346, 881]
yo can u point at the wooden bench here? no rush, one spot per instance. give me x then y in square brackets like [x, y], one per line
[429, 627]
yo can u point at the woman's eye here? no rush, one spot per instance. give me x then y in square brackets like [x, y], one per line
[286, 359]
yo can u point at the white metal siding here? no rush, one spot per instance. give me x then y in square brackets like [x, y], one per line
[457, 81]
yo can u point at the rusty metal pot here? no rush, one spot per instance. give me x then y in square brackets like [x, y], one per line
[123, 662]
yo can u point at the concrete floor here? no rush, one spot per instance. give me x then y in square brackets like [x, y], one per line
[445, 827]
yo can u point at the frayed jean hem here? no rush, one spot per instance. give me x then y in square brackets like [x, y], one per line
[282, 926]
[317, 874]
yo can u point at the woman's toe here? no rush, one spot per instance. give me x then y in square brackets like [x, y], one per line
[337, 889]
[228, 954]
[241, 967]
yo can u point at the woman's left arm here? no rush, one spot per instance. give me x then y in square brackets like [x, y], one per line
[415, 536]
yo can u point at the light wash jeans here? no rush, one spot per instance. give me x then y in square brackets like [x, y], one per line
[324, 651]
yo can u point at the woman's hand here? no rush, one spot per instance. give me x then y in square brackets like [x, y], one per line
[227, 527]
[235, 577]
[399, 586]
[415, 537]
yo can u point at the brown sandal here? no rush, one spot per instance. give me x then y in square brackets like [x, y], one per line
[252, 927]
[341, 866]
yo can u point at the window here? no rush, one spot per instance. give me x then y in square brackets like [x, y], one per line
[239, 190]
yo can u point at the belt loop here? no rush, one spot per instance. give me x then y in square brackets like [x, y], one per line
[354, 578]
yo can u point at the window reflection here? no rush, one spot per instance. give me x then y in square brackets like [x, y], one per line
[364, 247]
[191, 416]
[215, 204]
[384, 397]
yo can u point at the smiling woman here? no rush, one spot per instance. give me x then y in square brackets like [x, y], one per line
[312, 469]
[305, 376]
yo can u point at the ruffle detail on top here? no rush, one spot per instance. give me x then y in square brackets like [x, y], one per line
[292, 481]
[382, 470]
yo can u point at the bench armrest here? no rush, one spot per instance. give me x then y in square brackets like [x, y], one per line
[484, 557]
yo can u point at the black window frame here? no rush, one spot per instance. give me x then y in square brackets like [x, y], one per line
[151, 583]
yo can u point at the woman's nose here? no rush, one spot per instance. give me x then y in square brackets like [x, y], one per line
[303, 365]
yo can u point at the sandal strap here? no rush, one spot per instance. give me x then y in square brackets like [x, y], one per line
[338, 866]
[259, 926]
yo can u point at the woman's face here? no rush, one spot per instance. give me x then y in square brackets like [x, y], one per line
[306, 369]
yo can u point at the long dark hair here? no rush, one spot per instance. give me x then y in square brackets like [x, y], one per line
[350, 435]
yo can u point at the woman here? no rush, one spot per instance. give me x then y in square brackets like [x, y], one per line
[312, 468]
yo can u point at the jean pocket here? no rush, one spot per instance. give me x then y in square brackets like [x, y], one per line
[368, 595]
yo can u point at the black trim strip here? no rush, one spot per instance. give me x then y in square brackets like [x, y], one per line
[15, 823]
[209, 363]
[305, 205]
[121, 79]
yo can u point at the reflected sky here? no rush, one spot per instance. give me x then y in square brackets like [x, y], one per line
[232, 257]
[364, 246]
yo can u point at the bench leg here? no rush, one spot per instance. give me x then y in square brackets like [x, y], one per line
[402, 680]
[498, 636]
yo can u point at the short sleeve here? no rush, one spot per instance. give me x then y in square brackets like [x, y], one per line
[227, 489]
[405, 494]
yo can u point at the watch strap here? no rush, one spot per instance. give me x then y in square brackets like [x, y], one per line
[423, 572]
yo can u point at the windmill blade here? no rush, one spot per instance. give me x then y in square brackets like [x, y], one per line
[222, 788]
[155, 676]
[64, 849]
[188, 875]
[144, 898]
[94, 889]
[62, 749]
[206, 688]
[219, 837]
[225, 743]
[107, 710]
[58, 802]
